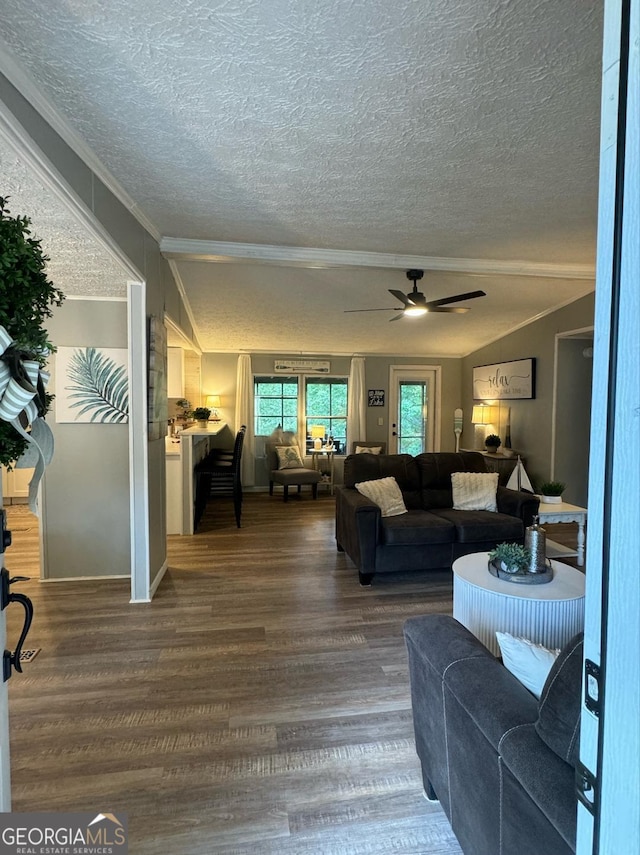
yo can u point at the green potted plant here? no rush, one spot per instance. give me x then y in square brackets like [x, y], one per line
[551, 492]
[510, 558]
[492, 442]
[26, 299]
[201, 415]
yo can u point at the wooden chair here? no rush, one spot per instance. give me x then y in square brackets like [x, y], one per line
[220, 475]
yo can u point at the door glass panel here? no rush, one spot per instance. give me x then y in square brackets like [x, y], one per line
[412, 417]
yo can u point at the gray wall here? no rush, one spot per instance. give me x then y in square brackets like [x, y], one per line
[532, 420]
[85, 519]
[144, 253]
[219, 376]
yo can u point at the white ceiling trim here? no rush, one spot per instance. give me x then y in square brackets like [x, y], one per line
[98, 299]
[28, 89]
[187, 305]
[222, 252]
[178, 332]
[524, 324]
[17, 137]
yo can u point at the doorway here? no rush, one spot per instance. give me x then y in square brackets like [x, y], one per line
[414, 407]
[573, 374]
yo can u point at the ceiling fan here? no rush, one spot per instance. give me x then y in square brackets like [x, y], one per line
[414, 303]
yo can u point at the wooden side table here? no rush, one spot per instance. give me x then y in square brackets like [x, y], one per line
[563, 512]
[315, 457]
[549, 614]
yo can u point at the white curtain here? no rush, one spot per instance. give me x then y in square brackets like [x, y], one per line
[356, 403]
[244, 416]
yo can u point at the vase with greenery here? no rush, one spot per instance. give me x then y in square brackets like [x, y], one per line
[26, 299]
[551, 491]
[201, 415]
[511, 557]
[492, 442]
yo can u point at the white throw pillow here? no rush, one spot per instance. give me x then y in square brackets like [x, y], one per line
[528, 662]
[385, 493]
[289, 457]
[474, 491]
[365, 449]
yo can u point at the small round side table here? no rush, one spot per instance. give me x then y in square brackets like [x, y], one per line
[549, 614]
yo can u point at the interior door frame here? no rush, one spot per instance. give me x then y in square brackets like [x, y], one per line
[434, 419]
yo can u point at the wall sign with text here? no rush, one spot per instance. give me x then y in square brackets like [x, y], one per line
[505, 380]
[376, 398]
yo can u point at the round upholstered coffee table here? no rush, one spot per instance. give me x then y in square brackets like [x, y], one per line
[548, 614]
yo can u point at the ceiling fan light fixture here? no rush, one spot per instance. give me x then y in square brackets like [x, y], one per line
[415, 311]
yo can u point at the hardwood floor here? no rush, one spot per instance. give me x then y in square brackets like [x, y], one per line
[260, 704]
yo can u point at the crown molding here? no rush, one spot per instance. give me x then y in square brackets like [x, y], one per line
[221, 252]
[26, 86]
[187, 305]
[95, 299]
[178, 332]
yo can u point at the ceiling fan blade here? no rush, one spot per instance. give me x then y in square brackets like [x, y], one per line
[459, 310]
[456, 298]
[397, 317]
[402, 297]
[394, 309]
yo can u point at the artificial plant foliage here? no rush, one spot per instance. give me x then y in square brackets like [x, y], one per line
[26, 300]
[101, 386]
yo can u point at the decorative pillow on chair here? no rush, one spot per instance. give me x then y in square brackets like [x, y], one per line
[474, 491]
[289, 457]
[385, 493]
[374, 449]
[528, 662]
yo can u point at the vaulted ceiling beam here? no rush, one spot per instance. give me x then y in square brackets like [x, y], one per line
[221, 252]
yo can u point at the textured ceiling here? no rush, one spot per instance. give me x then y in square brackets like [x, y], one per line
[64, 239]
[426, 127]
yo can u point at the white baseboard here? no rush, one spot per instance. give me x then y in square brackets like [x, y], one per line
[83, 578]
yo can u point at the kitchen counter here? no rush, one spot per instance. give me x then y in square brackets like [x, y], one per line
[181, 459]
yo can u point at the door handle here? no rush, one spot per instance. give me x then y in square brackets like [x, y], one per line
[12, 660]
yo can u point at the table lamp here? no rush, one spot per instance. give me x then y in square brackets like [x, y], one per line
[317, 435]
[212, 402]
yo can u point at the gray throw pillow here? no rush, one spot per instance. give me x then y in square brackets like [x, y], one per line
[558, 721]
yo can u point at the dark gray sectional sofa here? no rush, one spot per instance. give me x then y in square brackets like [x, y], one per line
[431, 535]
[501, 763]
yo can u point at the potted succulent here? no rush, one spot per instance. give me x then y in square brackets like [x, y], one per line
[551, 492]
[510, 558]
[201, 415]
[492, 442]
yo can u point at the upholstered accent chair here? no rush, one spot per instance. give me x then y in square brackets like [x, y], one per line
[289, 472]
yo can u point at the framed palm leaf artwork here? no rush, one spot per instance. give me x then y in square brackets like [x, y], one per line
[92, 385]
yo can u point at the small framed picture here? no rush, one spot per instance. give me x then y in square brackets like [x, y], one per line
[376, 398]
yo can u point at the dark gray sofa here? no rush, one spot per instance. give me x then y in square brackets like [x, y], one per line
[500, 762]
[431, 535]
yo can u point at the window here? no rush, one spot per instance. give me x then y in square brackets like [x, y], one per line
[275, 403]
[297, 403]
[326, 404]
